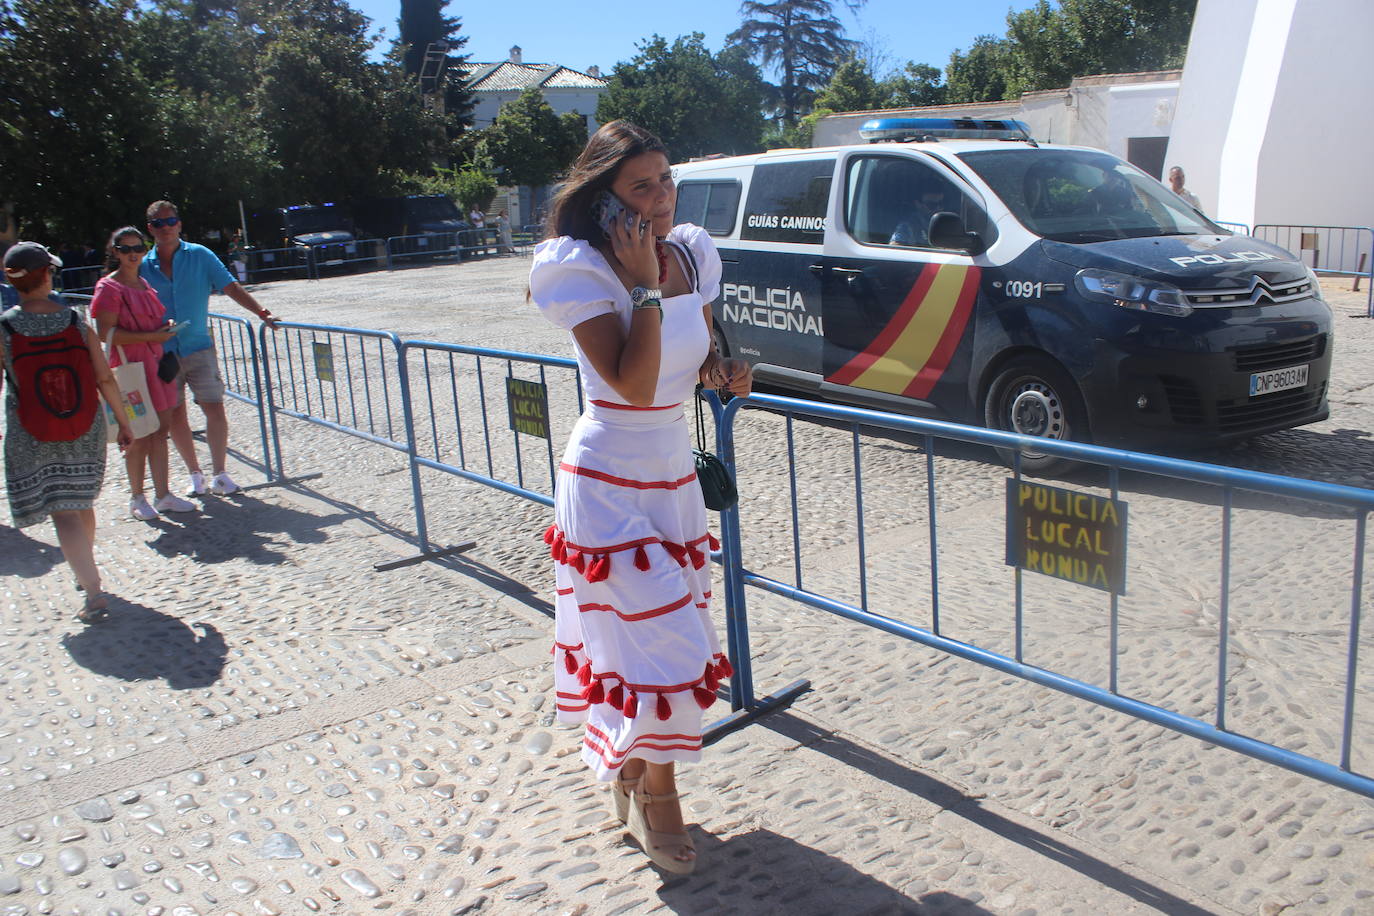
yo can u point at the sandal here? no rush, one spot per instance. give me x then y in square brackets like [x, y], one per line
[661, 848]
[621, 790]
[95, 609]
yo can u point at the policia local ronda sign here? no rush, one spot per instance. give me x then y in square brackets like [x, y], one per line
[1077, 537]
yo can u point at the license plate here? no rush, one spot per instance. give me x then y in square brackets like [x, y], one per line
[1277, 380]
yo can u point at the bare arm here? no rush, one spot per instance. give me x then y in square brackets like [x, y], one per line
[104, 321]
[734, 375]
[244, 298]
[628, 363]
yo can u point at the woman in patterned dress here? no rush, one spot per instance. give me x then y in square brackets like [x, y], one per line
[57, 479]
[636, 654]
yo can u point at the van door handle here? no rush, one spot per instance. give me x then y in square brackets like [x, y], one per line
[848, 271]
[817, 268]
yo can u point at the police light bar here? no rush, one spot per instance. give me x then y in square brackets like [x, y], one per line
[897, 129]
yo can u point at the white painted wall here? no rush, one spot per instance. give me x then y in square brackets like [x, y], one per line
[1275, 119]
[1144, 110]
[562, 101]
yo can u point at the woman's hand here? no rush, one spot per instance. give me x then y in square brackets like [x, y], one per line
[126, 435]
[161, 335]
[634, 249]
[734, 375]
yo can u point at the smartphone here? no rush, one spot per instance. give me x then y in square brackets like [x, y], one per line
[606, 209]
[179, 327]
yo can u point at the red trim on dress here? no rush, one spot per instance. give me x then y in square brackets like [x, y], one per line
[643, 615]
[625, 481]
[614, 406]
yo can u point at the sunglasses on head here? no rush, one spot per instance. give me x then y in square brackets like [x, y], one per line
[164, 221]
[127, 249]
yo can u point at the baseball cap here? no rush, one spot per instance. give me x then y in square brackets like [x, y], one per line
[26, 256]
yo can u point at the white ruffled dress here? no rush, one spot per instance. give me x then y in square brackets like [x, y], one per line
[635, 653]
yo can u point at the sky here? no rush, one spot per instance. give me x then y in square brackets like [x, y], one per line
[580, 34]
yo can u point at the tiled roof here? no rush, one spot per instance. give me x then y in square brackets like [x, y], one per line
[505, 76]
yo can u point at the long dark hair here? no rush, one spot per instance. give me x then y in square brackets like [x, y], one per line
[594, 171]
[111, 258]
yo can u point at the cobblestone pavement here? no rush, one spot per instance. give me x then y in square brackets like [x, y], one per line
[269, 726]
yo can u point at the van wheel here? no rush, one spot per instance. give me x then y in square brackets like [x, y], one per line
[1033, 396]
[718, 337]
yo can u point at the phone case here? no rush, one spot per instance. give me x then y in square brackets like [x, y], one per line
[607, 209]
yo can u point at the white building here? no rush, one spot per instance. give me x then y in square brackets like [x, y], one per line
[1127, 114]
[565, 89]
[1275, 115]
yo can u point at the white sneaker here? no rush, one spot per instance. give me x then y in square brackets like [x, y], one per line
[139, 509]
[197, 487]
[223, 484]
[173, 503]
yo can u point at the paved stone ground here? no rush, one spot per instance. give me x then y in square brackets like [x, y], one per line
[270, 726]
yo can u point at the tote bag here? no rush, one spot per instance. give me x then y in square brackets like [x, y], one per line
[136, 402]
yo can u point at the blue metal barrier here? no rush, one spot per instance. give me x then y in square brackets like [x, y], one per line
[241, 369]
[450, 396]
[80, 279]
[265, 261]
[427, 245]
[355, 251]
[1342, 251]
[1350, 500]
[1237, 228]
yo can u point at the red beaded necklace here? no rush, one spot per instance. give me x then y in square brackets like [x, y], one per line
[662, 261]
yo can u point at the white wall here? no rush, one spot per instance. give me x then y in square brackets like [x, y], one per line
[562, 101]
[1143, 110]
[1275, 119]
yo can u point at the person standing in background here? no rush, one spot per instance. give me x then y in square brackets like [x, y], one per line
[1176, 185]
[184, 275]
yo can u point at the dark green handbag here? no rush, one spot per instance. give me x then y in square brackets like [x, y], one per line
[717, 485]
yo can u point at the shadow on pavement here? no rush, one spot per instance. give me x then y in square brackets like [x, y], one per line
[240, 528]
[138, 643]
[25, 557]
[763, 872]
[896, 773]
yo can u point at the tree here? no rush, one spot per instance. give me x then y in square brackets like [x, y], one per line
[980, 73]
[696, 102]
[421, 24]
[529, 144]
[852, 88]
[917, 86]
[75, 125]
[802, 39]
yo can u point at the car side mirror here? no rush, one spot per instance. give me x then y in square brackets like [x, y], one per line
[947, 230]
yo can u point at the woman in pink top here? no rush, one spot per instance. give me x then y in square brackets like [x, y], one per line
[125, 303]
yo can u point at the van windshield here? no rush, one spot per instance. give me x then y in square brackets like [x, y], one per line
[313, 219]
[1084, 196]
[433, 208]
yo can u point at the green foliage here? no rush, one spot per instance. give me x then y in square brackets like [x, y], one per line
[696, 102]
[916, 86]
[1046, 46]
[801, 39]
[423, 22]
[470, 187]
[852, 88]
[529, 144]
[108, 104]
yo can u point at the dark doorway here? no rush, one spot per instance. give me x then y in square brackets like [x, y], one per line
[1147, 154]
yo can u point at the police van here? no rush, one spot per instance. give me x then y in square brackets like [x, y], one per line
[956, 268]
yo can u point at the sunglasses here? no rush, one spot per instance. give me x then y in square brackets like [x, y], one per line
[128, 249]
[165, 221]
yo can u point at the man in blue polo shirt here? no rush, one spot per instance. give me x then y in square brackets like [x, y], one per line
[184, 275]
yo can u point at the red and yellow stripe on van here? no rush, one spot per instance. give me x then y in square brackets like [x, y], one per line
[911, 353]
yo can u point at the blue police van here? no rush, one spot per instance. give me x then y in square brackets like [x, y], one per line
[958, 269]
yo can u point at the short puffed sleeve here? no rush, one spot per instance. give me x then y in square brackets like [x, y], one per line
[703, 249]
[571, 282]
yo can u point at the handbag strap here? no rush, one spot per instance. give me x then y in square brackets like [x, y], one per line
[111, 346]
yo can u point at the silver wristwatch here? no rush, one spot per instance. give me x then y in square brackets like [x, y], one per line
[642, 298]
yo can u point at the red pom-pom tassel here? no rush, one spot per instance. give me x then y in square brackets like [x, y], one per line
[711, 678]
[599, 568]
[597, 693]
[677, 552]
[560, 549]
[549, 533]
[724, 668]
[631, 707]
[698, 558]
[665, 711]
[616, 697]
[641, 559]
[569, 662]
[712, 542]
[584, 674]
[577, 559]
[704, 697]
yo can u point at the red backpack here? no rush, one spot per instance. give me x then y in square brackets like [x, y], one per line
[54, 380]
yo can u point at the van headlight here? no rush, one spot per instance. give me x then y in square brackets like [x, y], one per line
[1132, 292]
[1316, 284]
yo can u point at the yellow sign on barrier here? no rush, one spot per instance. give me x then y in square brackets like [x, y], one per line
[324, 361]
[529, 407]
[1078, 537]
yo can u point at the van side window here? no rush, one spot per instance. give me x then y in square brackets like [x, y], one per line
[787, 201]
[710, 204]
[890, 200]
